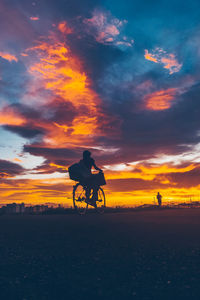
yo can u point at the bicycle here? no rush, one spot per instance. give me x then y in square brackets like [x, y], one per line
[81, 202]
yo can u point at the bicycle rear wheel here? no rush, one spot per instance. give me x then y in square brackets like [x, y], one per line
[101, 202]
[79, 198]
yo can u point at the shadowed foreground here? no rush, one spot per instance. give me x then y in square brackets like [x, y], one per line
[138, 255]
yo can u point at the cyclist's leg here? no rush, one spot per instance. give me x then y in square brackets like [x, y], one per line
[95, 192]
[86, 184]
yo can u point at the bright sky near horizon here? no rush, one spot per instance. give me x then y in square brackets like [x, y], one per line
[120, 78]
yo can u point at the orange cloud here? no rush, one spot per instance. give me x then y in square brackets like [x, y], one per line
[8, 57]
[17, 160]
[24, 54]
[148, 172]
[9, 117]
[150, 56]
[160, 100]
[171, 63]
[64, 28]
[60, 72]
[168, 61]
[55, 69]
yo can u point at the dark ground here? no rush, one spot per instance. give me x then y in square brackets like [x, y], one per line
[136, 255]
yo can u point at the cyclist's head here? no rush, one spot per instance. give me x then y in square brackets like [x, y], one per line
[86, 154]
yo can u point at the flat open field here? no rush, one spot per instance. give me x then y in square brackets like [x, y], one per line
[136, 255]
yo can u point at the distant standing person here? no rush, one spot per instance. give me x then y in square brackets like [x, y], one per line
[159, 198]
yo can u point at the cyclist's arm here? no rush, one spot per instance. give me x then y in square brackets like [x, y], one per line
[96, 168]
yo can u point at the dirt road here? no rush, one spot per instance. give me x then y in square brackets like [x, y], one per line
[136, 255]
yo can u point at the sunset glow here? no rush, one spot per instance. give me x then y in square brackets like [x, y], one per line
[92, 77]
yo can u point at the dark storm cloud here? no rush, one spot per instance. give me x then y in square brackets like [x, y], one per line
[144, 133]
[185, 180]
[64, 157]
[9, 169]
[95, 56]
[130, 184]
[37, 121]
[60, 111]
[57, 110]
[53, 154]
[30, 113]
[25, 131]
[48, 168]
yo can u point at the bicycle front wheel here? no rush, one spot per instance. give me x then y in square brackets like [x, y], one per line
[79, 198]
[101, 202]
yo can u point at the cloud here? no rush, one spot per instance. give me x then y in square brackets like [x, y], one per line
[106, 29]
[8, 56]
[185, 179]
[16, 159]
[150, 56]
[160, 100]
[10, 116]
[59, 73]
[25, 131]
[126, 185]
[168, 60]
[54, 154]
[146, 133]
[34, 18]
[9, 169]
[64, 28]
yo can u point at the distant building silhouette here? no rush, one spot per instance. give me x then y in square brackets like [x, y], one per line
[15, 208]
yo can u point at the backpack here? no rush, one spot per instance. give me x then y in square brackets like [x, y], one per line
[74, 172]
[78, 171]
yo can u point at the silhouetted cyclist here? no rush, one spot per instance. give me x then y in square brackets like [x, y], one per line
[159, 198]
[92, 179]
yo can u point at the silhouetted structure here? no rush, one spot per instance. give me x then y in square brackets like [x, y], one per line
[14, 208]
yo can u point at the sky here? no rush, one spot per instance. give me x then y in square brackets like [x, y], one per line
[118, 78]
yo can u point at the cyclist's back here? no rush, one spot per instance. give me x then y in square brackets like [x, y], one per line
[88, 162]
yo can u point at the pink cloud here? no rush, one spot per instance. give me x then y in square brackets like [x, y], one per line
[168, 60]
[8, 56]
[107, 29]
[34, 18]
[171, 63]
